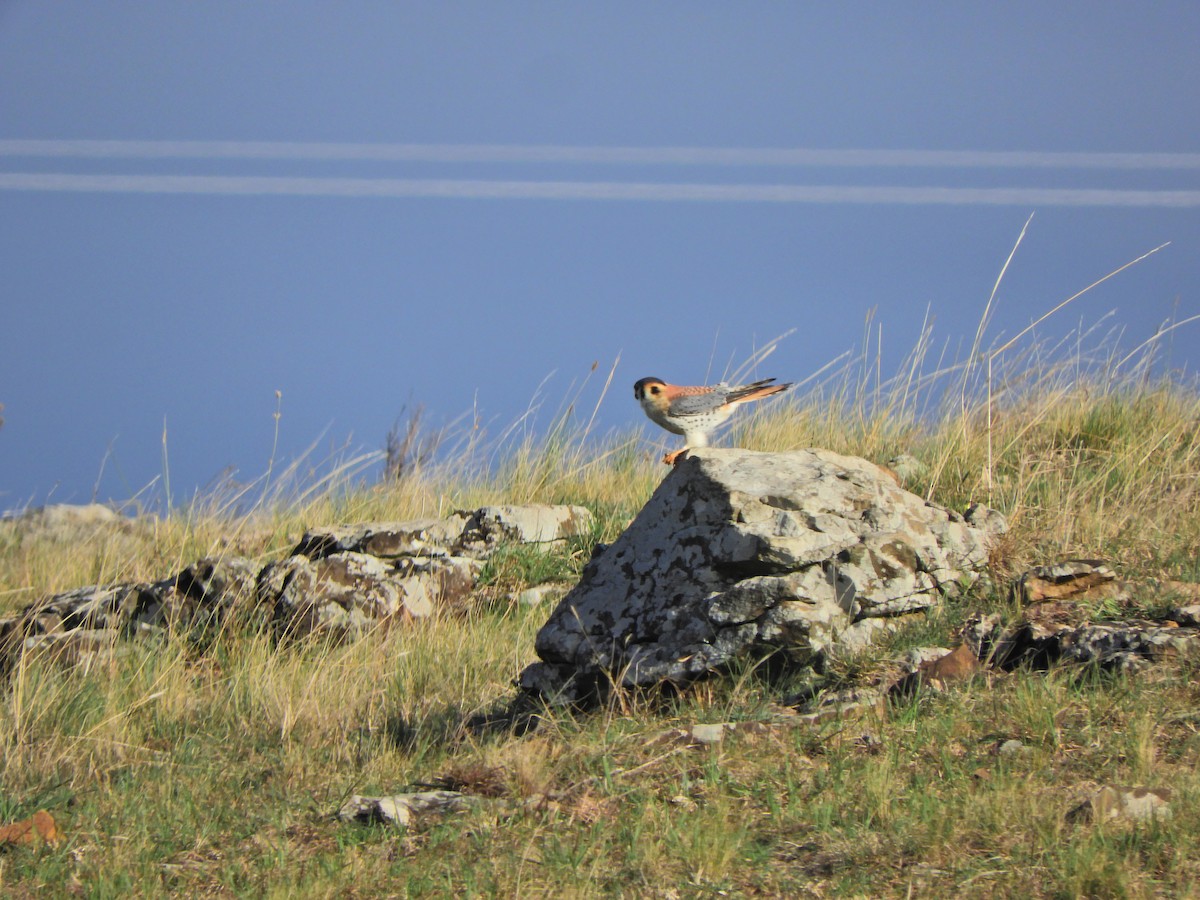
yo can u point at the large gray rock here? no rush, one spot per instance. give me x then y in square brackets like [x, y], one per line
[740, 552]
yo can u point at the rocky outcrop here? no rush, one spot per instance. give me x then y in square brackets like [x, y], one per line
[476, 533]
[342, 581]
[753, 553]
[1125, 646]
[348, 594]
[1047, 633]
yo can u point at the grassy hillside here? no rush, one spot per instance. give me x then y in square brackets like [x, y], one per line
[216, 768]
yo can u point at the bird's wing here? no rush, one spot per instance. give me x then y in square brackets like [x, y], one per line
[698, 404]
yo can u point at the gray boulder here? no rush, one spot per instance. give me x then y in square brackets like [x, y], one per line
[740, 553]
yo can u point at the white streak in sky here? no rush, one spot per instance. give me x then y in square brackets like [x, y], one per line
[589, 190]
[667, 156]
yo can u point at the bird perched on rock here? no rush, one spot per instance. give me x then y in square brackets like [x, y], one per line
[696, 411]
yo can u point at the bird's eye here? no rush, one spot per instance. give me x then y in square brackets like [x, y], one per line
[654, 389]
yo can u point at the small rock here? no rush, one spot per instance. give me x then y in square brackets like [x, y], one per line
[1187, 616]
[213, 581]
[846, 703]
[919, 656]
[868, 742]
[1118, 802]
[1117, 646]
[907, 467]
[694, 736]
[348, 594]
[858, 637]
[986, 518]
[708, 734]
[1010, 748]
[400, 809]
[539, 594]
[416, 537]
[81, 648]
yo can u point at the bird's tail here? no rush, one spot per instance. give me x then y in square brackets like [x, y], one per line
[756, 390]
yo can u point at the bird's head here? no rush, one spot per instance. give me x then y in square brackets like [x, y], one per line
[653, 394]
[649, 389]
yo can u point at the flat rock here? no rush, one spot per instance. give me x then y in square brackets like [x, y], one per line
[67, 520]
[467, 532]
[415, 537]
[80, 649]
[534, 523]
[118, 606]
[400, 809]
[1074, 579]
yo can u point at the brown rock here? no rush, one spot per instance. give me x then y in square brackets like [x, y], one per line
[960, 664]
[1076, 579]
[37, 828]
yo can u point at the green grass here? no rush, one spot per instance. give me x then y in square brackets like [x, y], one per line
[215, 767]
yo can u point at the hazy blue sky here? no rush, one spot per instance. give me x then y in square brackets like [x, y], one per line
[370, 206]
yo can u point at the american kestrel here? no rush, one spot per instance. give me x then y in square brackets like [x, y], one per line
[696, 411]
